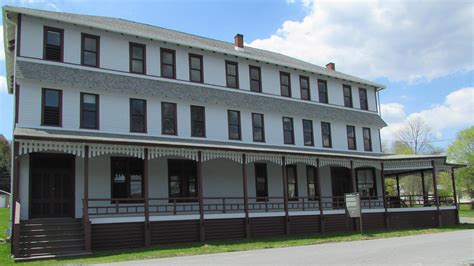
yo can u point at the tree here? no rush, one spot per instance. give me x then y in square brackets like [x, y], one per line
[414, 138]
[5, 160]
[462, 151]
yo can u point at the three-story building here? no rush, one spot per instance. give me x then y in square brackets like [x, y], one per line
[149, 135]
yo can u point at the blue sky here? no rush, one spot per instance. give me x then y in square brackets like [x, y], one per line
[422, 51]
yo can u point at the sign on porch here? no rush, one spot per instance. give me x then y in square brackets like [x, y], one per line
[352, 204]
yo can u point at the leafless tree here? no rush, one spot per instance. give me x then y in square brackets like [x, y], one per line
[416, 136]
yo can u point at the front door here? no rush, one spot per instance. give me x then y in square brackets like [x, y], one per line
[51, 186]
[341, 184]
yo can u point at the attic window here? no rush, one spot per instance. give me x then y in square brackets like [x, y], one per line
[53, 44]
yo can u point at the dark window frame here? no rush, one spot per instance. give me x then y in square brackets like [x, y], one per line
[43, 106]
[350, 104]
[45, 41]
[143, 46]
[128, 198]
[173, 53]
[97, 111]
[239, 125]
[236, 64]
[364, 103]
[262, 128]
[265, 197]
[203, 121]
[304, 132]
[369, 139]
[353, 139]
[259, 70]
[375, 191]
[323, 134]
[97, 52]
[175, 118]
[184, 183]
[287, 168]
[201, 71]
[316, 183]
[308, 89]
[144, 116]
[323, 92]
[292, 131]
[282, 73]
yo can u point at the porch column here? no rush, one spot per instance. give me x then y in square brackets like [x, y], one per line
[353, 178]
[200, 200]
[384, 196]
[85, 201]
[398, 186]
[320, 200]
[246, 199]
[16, 209]
[425, 199]
[435, 187]
[146, 199]
[453, 178]
[285, 195]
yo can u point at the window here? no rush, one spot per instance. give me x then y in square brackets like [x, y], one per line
[292, 182]
[326, 134]
[52, 107]
[53, 44]
[198, 121]
[137, 115]
[304, 88]
[308, 132]
[288, 132]
[90, 50]
[258, 128]
[137, 58]
[366, 182]
[347, 95]
[233, 119]
[367, 139]
[323, 91]
[168, 63]
[261, 181]
[196, 73]
[89, 111]
[182, 180]
[169, 119]
[127, 178]
[363, 99]
[351, 138]
[255, 78]
[232, 74]
[311, 176]
[285, 84]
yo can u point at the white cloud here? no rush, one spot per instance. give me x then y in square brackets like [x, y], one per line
[3, 85]
[401, 40]
[457, 111]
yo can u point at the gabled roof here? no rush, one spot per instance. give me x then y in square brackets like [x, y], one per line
[185, 39]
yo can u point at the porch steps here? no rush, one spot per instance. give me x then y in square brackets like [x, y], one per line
[51, 238]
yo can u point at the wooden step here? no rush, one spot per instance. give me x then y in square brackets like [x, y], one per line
[43, 256]
[57, 242]
[51, 236]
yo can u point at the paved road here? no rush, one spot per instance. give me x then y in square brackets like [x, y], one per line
[451, 248]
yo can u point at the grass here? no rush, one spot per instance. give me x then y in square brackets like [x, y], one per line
[162, 251]
[466, 211]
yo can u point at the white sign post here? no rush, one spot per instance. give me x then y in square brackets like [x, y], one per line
[353, 207]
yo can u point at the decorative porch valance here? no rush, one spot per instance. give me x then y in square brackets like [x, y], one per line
[208, 155]
[301, 159]
[365, 163]
[444, 168]
[255, 157]
[190, 154]
[407, 165]
[29, 146]
[102, 149]
[335, 162]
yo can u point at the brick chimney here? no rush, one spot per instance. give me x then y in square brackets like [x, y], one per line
[239, 40]
[331, 66]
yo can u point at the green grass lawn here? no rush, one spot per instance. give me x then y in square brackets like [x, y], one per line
[466, 211]
[217, 246]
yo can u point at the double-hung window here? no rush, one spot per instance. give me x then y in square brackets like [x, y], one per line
[255, 78]
[137, 115]
[312, 182]
[89, 111]
[285, 84]
[326, 134]
[292, 180]
[366, 185]
[52, 108]
[233, 119]
[261, 181]
[304, 88]
[53, 44]
[347, 90]
[323, 91]
[168, 63]
[90, 50]
[367, 139]
[351, 138]
[169, 125]
[308, 132]
[137, 58]
[288, 131]
[232, 74]
[196, 69]
[258, 127]
[127, 178]
[363, 99]
[182, 180]
[198, 121]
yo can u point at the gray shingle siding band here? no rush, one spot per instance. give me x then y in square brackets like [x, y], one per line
[87, 79]
[171, 36]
